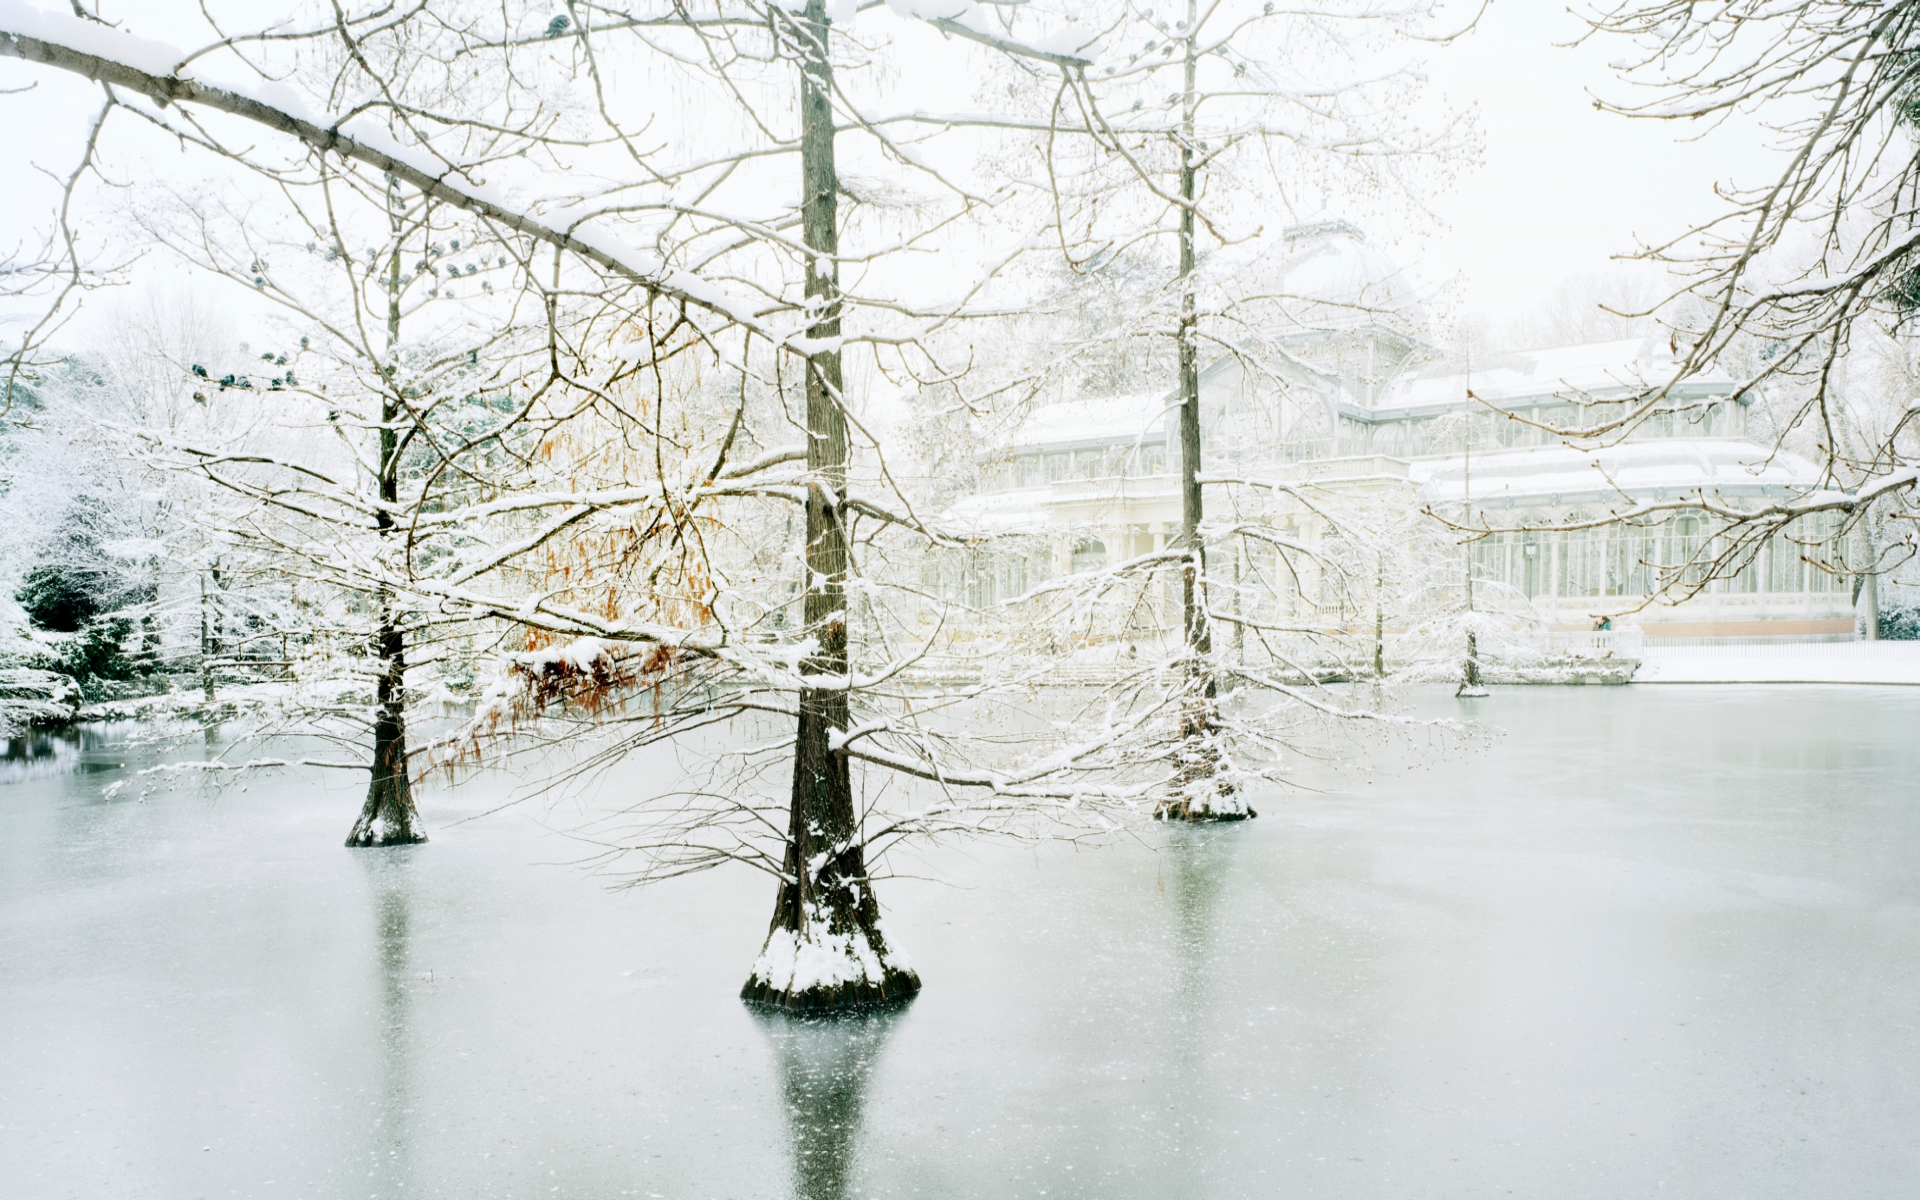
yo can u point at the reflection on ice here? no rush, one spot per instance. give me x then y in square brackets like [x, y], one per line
[1197, 859]
[390, 882]
[40, 754]
[824, 1065]
[69, 750]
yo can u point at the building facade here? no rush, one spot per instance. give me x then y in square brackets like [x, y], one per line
[1343, 400]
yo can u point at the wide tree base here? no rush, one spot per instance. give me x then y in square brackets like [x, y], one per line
[388, 818]
[372, 833]
[816, 971]
[1201, 818]
[370, 843]
[894, 989]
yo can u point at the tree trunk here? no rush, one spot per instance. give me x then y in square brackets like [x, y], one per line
[1239, 597]
[1202, 794]
[206, 644]
[389, 818]
[1379, 614]
[1866, 586]
[825, 949]
[1470, 684]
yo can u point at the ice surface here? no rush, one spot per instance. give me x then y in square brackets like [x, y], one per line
[1655, 941]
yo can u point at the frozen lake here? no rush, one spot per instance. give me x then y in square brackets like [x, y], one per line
[1651, 941]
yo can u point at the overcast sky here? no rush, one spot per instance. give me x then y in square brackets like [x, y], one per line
[1561, 188]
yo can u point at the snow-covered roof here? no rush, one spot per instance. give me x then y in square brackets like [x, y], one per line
[992, 513]
[1642, 469]
[1086, 422]
[1559, 372]
[1045, 506]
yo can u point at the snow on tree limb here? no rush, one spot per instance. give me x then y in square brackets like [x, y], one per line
[116, 59]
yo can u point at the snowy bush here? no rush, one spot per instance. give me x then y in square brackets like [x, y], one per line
[1900, 625]
[84, 603]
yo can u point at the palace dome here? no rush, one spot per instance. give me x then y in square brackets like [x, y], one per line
[1323, 275]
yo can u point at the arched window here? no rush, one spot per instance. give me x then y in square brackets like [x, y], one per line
[1581, 552]
[1536, 571]
[1089, 555]
[1391, 438]
[1686, 547]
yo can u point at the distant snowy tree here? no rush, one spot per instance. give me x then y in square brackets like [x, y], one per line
[81, 544]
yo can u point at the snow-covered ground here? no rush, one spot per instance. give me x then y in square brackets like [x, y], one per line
[1831, 662]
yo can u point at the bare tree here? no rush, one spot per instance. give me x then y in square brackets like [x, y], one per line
[353, 445]
[626, 586]
[1180, 152]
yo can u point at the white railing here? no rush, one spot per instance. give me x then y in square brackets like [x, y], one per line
[1593, 652]
[1787, 639]
[1848, 650]
[1621, 643]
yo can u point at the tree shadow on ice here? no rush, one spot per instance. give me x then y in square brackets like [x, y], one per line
[825, 1064]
